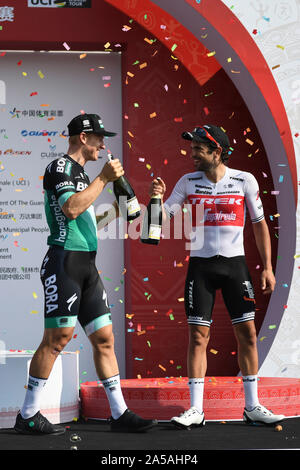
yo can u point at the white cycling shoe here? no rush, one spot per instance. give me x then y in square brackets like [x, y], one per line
[262, 415]
[191, 418]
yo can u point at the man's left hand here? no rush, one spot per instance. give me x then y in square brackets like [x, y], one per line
[268, 281]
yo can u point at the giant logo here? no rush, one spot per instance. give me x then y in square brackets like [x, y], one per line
[42, 133]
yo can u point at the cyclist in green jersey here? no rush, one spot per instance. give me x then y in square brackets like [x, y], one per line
[72, 286]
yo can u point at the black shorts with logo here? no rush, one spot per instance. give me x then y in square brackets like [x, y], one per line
[73, 289]
[205, 276]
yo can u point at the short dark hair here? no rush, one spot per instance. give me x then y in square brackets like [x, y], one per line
[224, 154]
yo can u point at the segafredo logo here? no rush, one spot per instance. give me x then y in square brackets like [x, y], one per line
[42, 133]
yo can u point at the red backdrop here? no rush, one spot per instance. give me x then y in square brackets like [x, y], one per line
[155, 275]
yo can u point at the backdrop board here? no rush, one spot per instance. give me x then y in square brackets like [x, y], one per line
[40, 93]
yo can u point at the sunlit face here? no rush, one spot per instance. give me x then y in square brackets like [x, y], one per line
[204, 159]
[92, 144]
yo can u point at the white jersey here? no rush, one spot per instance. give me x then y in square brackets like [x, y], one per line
[218, 210]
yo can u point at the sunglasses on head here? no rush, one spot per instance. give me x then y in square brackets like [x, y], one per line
[202, 132]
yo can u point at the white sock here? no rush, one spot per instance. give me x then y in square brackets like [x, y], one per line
[250, 390]
[196, 387]
[34, 391]
[114, 394]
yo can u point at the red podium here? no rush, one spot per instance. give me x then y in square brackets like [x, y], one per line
[162, 398]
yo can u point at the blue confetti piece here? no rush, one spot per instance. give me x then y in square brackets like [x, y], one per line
[280, 178]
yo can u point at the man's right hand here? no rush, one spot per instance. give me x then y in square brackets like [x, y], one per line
[111, 171]
[157, 187]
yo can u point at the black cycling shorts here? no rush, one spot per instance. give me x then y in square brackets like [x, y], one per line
[73, 289]
[205, 276]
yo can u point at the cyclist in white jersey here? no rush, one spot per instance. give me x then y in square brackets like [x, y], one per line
[218, 197]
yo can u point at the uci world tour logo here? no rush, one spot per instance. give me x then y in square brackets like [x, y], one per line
[59, 3]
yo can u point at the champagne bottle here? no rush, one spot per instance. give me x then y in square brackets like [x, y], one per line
[152, 222]
[126, 198]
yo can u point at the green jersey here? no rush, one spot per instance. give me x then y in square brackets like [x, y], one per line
[63, 178]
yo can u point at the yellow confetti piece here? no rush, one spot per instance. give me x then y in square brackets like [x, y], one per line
[130, 74]
[229, 59]
[82, 56]
[24, 74]
[163, 368]
[183, 152]
[280, 47]
[34, 295]
[34, 311]
[152, 115]
[211, 54]
[24, 249]
[249, 142]
[139, 376]
[213, 351]
[181, 299]
[276, 215]
[149, 41]
[235, 71]
[131, 135]
[142, 66]
[40, 74]
[148, 166]
[107, 45]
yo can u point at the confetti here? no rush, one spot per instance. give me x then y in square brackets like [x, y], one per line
[152, 115]
[211, 54]
[149, 41]
[66, 46]
[213, 351]
[40, 74]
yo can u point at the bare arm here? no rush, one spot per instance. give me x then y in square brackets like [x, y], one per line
[81, 201]
[263, 243]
